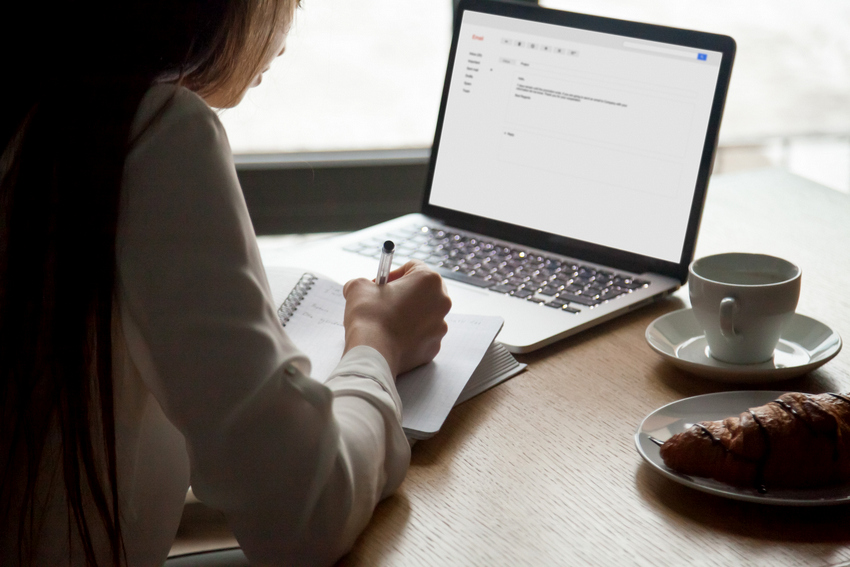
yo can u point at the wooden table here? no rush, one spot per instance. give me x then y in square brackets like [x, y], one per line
[542, 470]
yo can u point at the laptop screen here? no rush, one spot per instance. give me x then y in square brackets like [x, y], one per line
[581, 134]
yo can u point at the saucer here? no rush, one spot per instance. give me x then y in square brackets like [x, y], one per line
[804, 345]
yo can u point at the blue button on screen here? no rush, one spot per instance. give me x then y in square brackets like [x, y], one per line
[702, 56]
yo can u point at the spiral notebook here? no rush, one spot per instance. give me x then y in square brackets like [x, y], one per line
[469, 361]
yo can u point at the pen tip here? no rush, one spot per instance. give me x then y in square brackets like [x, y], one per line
[389, 246]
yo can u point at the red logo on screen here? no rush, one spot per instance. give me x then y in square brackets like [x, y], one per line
[478, 37]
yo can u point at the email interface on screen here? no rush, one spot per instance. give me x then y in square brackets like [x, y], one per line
[587, 135]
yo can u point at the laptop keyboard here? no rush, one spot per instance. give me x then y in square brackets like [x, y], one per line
[561, 284]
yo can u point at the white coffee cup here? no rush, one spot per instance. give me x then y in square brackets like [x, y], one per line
[743, 302]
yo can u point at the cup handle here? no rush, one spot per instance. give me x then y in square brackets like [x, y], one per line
[728, 309]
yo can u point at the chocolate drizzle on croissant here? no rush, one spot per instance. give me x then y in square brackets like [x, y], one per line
[795, 441]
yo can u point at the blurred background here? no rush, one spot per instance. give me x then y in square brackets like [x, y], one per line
[368, 75]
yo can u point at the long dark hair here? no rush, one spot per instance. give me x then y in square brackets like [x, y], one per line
[77, 74]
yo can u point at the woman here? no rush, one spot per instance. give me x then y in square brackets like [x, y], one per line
[138, 340]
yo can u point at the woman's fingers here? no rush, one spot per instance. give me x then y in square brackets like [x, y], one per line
[408, 267]
[403, 319]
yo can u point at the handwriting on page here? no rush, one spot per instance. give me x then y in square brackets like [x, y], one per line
[317, 329]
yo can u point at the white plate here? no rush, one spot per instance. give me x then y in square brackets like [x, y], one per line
[678, 416]
[805, 344]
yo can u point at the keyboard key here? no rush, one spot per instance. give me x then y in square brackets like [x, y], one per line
[580, 299]
[612, 293]
[630, 283]
[562, 307]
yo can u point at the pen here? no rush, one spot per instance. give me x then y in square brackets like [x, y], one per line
[386, 262]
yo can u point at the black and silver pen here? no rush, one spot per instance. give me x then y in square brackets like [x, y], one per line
[386, 262]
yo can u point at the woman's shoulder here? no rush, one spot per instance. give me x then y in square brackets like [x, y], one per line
[170, 107]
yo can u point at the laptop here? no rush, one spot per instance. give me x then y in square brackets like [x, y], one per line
[568, 172]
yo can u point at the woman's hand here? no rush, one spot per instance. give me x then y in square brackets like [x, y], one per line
[404, 319]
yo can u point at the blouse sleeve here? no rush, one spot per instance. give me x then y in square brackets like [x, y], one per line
[297, 467]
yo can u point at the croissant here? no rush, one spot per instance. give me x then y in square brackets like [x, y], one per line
[796, 441]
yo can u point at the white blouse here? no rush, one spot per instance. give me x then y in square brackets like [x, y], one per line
[208, 387]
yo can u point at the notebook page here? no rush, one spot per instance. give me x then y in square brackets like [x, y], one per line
[316, 327]
[429, 392]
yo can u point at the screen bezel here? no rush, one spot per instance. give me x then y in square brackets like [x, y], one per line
[574, 248]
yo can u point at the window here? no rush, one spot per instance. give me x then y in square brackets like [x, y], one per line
[355, 76]
[792, 69]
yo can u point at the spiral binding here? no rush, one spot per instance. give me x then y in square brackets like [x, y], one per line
[295, 297]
